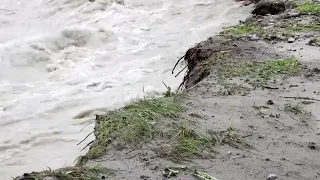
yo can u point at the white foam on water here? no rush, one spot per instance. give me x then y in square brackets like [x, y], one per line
[63, 58]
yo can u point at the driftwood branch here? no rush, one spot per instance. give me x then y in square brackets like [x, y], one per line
[305, 98]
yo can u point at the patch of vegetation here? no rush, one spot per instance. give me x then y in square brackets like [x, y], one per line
[261, 71]
[205, 67]
[259, 108]
[168, 92]
[244, 29]
[314, 42]
[232, 89]
[309, 8]
[303, 28]
[190, 143]
[151, 121]
[68, 173]
[296, 109]
[231, 138]
[134, 124]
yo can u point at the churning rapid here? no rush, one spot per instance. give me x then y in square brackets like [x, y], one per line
[59, 59]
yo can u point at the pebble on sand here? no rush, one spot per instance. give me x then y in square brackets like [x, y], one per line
[272, 177]
[291, 40]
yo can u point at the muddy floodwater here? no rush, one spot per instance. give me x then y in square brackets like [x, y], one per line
[61, 61]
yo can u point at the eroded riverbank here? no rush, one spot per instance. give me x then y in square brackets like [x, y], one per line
[62, 61]
[249, 110]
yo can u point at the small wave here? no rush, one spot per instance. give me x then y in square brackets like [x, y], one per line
[90, 113]
[51, 53]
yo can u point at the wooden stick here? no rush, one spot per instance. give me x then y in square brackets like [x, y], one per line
[305, 98]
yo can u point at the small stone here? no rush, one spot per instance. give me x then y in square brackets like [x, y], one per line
[270, 102]
[155, 167]
[291, 40]
[312, 145]
[316, 70]
[272, 177]
[144, 177]
[195, 115]
[26, 175]
[254, 37]
[293, 85]
[267, 159]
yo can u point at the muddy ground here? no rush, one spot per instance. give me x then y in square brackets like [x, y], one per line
[249, 108]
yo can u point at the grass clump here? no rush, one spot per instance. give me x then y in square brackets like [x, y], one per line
[296, 109]
[190, 143]
[134, 124]
[168, 92]
[244, 29]
[304, 28]
[232, 89]
[309, 8]
[262, 71]
[231, 138]
[206, 67]
[314, 42]
[68, 173]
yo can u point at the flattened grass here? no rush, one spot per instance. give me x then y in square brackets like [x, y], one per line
[244, 29]
[135, 123]
[258, 73]
[69, 173]
[309, 8]
[150, 121]
[265, 70]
